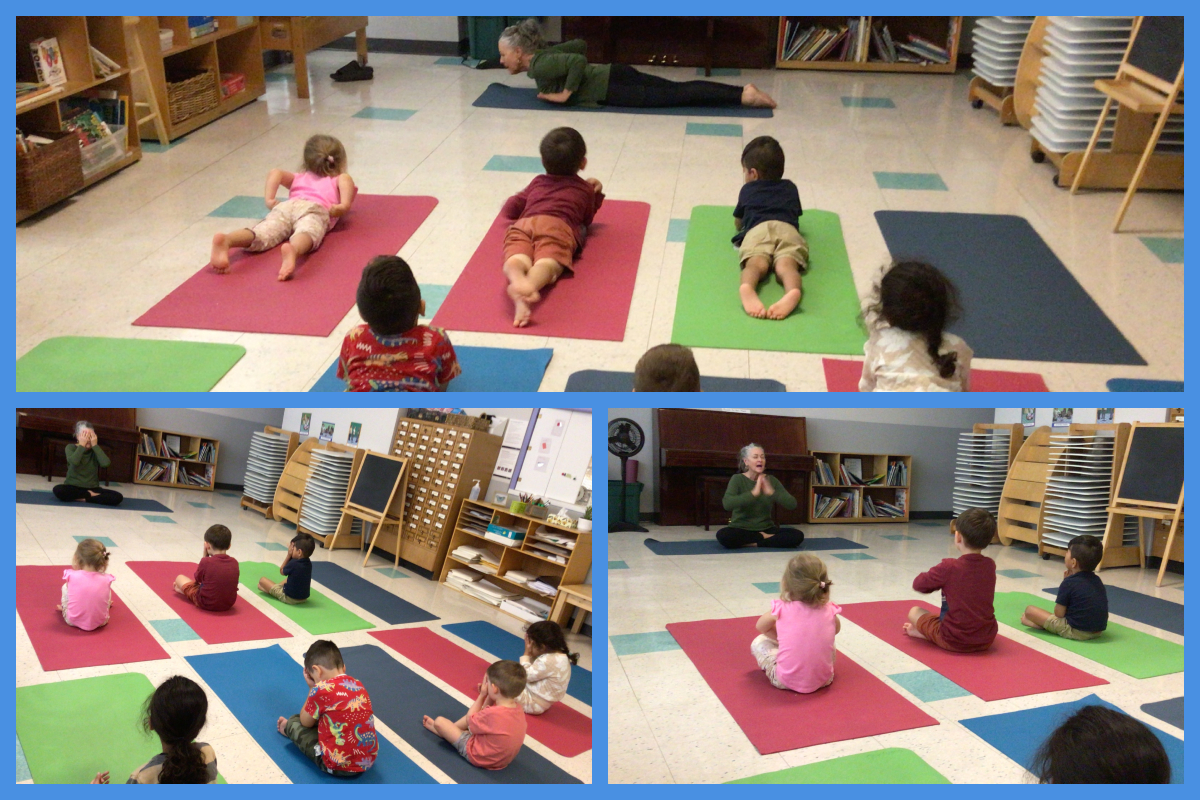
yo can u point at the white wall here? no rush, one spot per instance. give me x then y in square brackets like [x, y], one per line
[378, 424]
[1045, 416]
[232, 427]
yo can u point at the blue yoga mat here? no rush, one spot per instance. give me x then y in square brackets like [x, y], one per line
[498, 95]
[1019, 301]
[36, 498]
[400, 697]
[597, 380]
[708, 547]
[368, 596]
[1018, 734]
[259, 686]
[1141, 607]
[484, 369]
[503, 644]
[1169, 711]
[1139, 385]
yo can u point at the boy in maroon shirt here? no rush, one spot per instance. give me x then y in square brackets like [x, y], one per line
[215, 584]
[967, 623]
[550, 216]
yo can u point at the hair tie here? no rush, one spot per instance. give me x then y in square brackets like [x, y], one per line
[822, 584]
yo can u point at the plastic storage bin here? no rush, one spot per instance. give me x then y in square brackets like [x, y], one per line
[630, 504]
[98, 155]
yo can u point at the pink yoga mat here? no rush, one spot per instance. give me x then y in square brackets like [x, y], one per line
[123, 640]
[242, 623]
[591, 303]
[855, 705]
[842, 376]
[1006, 669]
[563, 729]
[250, 297]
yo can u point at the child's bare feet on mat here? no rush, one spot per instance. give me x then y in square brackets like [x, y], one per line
[220, 253]
[524, 312]
[289, 261]
[756, 98]
[912, 631]
[58, 608]
[751, 303]
[281, 726]
[785, 305]
[427, 721]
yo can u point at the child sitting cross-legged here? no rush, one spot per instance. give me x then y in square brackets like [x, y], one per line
[214, 586]
[547, 661]
[87, 588]
[1099, 745]
[795, 642]
[1081, 608]
[297, 568]
[493, 730]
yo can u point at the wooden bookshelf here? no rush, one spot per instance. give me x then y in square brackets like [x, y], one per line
[942, 31]
[873, 464]
[520, 557]
[153, 450]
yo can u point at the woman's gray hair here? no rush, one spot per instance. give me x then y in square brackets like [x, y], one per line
[83, 423]
[525, 36]
[745, 451]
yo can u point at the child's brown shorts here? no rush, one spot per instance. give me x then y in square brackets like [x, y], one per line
[930, 626]
[540, 237]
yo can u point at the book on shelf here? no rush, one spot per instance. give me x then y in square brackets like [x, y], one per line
[102, 65]
[502, 540]
[897, 474]
[201, 26]
[824, 472]
[845, 504]
[172, 444]
[47, 61]
[207, 452]
[147, 447]
[88, 126]
[30, 93]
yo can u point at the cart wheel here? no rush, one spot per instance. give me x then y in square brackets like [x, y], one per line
[976, 103]
[1045, 556]
[1054, 180]
[1038, 156]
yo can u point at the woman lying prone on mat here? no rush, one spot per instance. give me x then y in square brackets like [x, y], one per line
[84, 462]
[749, 498]
[563, 75]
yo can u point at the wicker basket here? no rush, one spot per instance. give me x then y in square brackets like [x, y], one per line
[193, 95]
[50, 173]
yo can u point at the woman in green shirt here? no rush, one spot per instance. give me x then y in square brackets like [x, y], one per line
[563, 75]
[749, 499]
[84, 461]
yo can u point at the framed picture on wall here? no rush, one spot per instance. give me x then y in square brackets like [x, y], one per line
[1104, 415]
[326, 431]
[1028, 416]
[305, 423]
[355, 430]
[1063, 417]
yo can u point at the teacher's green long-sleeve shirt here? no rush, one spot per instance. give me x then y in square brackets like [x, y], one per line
[565, 66]
[752, 513]
[83, 466]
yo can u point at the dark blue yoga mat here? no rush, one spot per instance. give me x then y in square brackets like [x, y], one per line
[1019, 301]
[598, 380]
[484, 369]
[1141, 607]
[503, 644]
[498, 95]
[399, 698]
[260, 686]
[1169, 711]
[36, 498]
[707, 547]
[1018, 734]
[368, 596]
[1140, 385]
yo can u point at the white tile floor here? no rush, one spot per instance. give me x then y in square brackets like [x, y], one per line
[666, 725]
[44, 535]
[94, 264]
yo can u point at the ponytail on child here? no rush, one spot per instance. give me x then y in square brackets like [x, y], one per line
[91, 554]
[916, 297]
[548, 636]
[805, 580]
[176, 712]
[324, 155]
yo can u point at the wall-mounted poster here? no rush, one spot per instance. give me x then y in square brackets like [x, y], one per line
[1104, 415]
[355, 429]
[305, 422]
[1028, 416]
[1063, 417]
[326, 431]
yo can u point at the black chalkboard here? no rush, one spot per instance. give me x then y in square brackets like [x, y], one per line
[376, 479]
[1154, 466]
[1158, 48]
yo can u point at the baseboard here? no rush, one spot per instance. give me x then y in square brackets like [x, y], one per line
[229, 487]
[931, 515]
[416, 47]
[1153, 562]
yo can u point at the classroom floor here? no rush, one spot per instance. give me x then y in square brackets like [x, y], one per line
[45, 535]
[666, 725]
[94, 264]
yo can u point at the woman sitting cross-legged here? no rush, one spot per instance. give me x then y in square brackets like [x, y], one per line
[749, 499]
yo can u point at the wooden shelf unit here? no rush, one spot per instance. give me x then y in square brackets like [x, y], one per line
[521, 556]
[933, 29]
[873, 464]
[188, 443]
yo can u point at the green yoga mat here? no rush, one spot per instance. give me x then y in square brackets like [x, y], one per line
[317, 615]
[892, 765]
[1137, 654]
[92, 364]
[708, 311]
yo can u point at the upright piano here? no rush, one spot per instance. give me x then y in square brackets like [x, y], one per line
[695, 443]
[44, 433]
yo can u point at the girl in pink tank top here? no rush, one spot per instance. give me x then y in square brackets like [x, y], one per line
[795, 646]
[87, 588]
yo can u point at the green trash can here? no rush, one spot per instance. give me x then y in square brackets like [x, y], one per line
[627, 508]
[483, 35]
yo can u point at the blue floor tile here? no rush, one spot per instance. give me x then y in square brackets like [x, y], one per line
[279, 77]
[713, 129]
[1168, 249]
[720, 72]
[198, 505]
[389, 114]
[1139, 385]
[449, 61]
[868, 102]
[104, 540]
[913, 181]
[241, 206]
[155, 146]
[631, 644]
[768, 587]
[1016, 573]
[271, 545]
[899, 537]
[928, 686]
[159, 518]
[514, 164]
[390, 572]
[230, 494]
[434, 294]
[854, 556]
[22, 764]
[677, 230]
[617, 565]
[174, 630]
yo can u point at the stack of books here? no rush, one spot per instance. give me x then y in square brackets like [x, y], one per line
[878, 508]
[922, 50]
[207, 453]
[488, 592]
[459, 578]
[526, 608]
[824, 474]
[27, 93]
[827, 506]
[897, 474]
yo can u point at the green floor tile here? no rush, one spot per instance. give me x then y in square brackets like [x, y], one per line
[174, 630]
[159, 518]
[278, 77]
[104, 540]
[713, 129]
[389, 114]
[913, 181]
[854, 556]
[198, 505]
[868, 102]
[514, 164]
[155, 146]
[229, 494]
[390, 572]
[768, 587]
[449, 61]
[434, 294]
[271, 545]
[1016, 573]
[241, 206]
[632, 644]
[617, 565]
[928, 686]
[677, 230]
[899, 537]
[1169, 250]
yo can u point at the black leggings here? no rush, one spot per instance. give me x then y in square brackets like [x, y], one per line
[103, 497]
[630, 88]
[733, 538]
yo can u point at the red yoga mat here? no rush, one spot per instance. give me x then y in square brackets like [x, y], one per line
[842, 376]
[250, 297]
[1006, 669]
[591, 303]
[855, 705]
[563, 729]
[123, 640]
[242, 623]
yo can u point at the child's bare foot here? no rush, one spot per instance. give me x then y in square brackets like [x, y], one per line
[912, 631]
[785, 305]
[281, 726]
[58, 608]
[1028, 622]
[751, 303]
[524, 312]
[220, 253]
[289, 261]
[756, 98]
[427, 721]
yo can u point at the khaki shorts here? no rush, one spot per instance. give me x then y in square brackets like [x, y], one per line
[277, 593]
[287, 219]
[1059, 625]
[774, 240]
[539, 237]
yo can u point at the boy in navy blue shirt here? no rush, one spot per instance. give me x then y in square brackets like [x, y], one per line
[1081, 608]
[297, 568]
[767, 215]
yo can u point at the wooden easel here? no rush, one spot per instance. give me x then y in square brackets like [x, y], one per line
[389, 512]
[1146, 88]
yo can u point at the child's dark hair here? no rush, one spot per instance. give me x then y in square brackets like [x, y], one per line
[548, 636]
[389, 299]
[977, 526]
[1087, 550]
[323, 653]
[667, 368]
[916, 297]
[305, 544]
[176, 712]
[765, 156]
[563, 151]
[509, 677]
[1100, 745]
[324, 156]
[219, 537]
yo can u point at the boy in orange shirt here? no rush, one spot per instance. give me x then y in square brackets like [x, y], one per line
[493, 730]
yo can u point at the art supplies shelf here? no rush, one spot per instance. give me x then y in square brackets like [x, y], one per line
[179, 460]
[859, 487]
[552, 554]
[869, 44]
